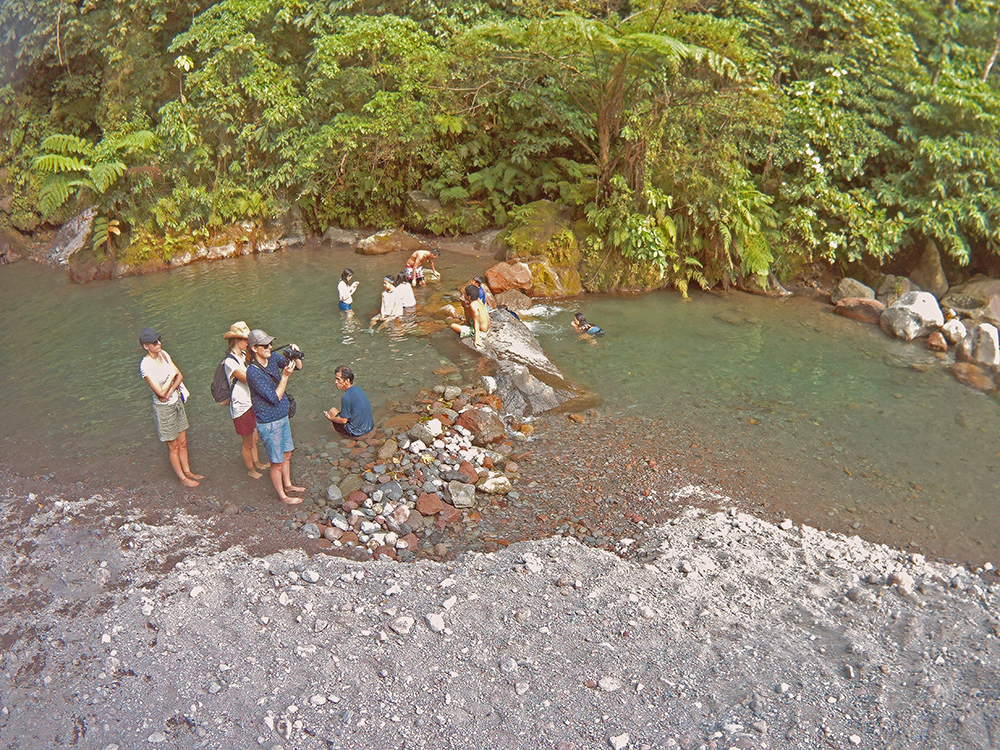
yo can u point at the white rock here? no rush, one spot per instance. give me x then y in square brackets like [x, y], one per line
[434, 426]
[402, 625]
[197, 591]
[913, 315]
[156, 737]
[318, 700]
[508, 665]
[521, 688]
[532, 563]
[619, 742]
[985, 344]
[450, 602]
[954, 330]
[854, 739]
[609, 684]
[495, 484]
[417, 446]
[435, 622]
[310, 576]
[786, 525]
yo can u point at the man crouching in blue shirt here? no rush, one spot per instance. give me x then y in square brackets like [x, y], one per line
[354, 418]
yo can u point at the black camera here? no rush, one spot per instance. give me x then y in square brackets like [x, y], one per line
[292, 354]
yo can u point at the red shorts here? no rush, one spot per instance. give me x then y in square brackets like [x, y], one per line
[246, 423]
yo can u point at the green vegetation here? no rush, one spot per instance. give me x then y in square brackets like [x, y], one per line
[696, 144]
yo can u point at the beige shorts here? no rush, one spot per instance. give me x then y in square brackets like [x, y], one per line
[170, 420]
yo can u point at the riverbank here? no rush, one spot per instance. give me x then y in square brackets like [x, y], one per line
[719, 630]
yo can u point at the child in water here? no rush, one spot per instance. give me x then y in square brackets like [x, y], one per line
[580, 325]
[346, 290]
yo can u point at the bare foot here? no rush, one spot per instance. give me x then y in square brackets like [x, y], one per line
[190, 482]
[262, 467]
[293, 488]
[254, 473]
[195, 476]
[291, 500]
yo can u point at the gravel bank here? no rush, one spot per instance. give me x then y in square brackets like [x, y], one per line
[718, 630]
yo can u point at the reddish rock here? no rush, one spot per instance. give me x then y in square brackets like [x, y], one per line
[459, 403]
[578, 418]
[410, 540]
[349, 537]
[324, 543]
[332, 533]
[485, 426]
[357, 496]
[448, 514]
[512, 468]
[415, 520]
[973, 376]
[469, 470]
[429, 504]
[487, 462]
[350, 505]
[504, 276]
[860, 309]
[401, 514]
[936, 342]
[443, 419]
[445, 370]
[492, 400]
[384, 551]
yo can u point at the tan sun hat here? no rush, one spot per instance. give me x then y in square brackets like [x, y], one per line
[238, 330]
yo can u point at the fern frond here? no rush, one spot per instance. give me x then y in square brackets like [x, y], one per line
[61, 143]
[100, 232]
[106, 173]
[141, 140]
[53, 163]
[55, 190]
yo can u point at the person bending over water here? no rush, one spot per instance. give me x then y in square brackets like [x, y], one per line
[477, 315]
[267, 376]
[414, 270]
[240, 401]
[169, 395]
[346, 290]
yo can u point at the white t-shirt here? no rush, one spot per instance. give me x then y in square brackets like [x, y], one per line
[162, 372]
[240, 403]
[405, 294]
[391, 306]
[346, 291]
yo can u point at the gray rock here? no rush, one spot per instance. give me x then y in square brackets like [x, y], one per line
[451, 392]
[462, 495]
[928, 273]
[69, 239]
[510, 340]
[985, 344]
[402, 625]
[851, 288]
[913, 315]
[340, 237]
[392, 491]
[311, 530]
[522, 394]
[424, 433]
[333, 494]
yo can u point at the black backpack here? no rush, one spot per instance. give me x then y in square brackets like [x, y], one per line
[222, 389]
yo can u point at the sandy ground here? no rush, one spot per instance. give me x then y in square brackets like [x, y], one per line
[717, 630]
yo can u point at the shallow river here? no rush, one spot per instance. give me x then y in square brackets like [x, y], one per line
[869, 434]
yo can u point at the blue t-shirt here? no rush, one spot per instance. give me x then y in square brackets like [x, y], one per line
[263, 390]
[355, 406]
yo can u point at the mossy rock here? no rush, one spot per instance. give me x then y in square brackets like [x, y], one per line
[604, 271]
[542, 228]
[548, 280]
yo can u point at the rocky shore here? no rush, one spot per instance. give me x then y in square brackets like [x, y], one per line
[718, 630]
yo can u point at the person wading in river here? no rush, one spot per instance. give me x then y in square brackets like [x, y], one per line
[169, 395]
[267, 376]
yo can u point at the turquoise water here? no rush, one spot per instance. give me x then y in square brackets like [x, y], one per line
[860, 430]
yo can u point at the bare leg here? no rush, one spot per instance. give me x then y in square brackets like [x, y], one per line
[276, 475]
[248, 452]
[182, 452]
[174, 447]
[286, 475]
[261, 466]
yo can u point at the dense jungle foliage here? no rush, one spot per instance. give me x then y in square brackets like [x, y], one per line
[709, 142]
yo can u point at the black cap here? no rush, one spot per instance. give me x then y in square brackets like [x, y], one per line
[148, 336]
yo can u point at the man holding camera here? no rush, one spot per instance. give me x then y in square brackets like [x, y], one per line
[267, 376]
[354, 417]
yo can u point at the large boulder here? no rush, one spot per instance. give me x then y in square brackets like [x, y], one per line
[388, 241]
[548, 280]
[524, 395]
[340, 238]
[865, 310]
[509, 339]
[542, 228]
[913, 315]
[928, 273]
[505, 276]
[849, 288]
[978, 299]
[893, 287]
[70, 238]
[985, 345]
[514, 299]
[12, 246]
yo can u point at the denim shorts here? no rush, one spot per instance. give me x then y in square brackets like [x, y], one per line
[277, 438]
[344, 305]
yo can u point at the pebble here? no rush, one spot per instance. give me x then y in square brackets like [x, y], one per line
[619, 742]
[402, 625]
[435, 622]
[508, 665]
[521, 688]
[855, 739]
[310, 576]
[609, 684]
[156, 737]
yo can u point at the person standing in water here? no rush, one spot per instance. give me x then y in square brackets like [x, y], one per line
[169, 395]
[346, 290]
[240, 401]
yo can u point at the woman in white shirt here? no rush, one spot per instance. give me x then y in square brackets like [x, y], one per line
[345, 289]
[240, 406]
[405, 293]
[391, 305]
[169, 395]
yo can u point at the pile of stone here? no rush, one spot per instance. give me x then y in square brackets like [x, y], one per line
[962, 328]
[404, 485]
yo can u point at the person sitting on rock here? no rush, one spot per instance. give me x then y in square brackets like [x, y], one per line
[414, 270]
[580, 325]
[477, 315]
[354, 417]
